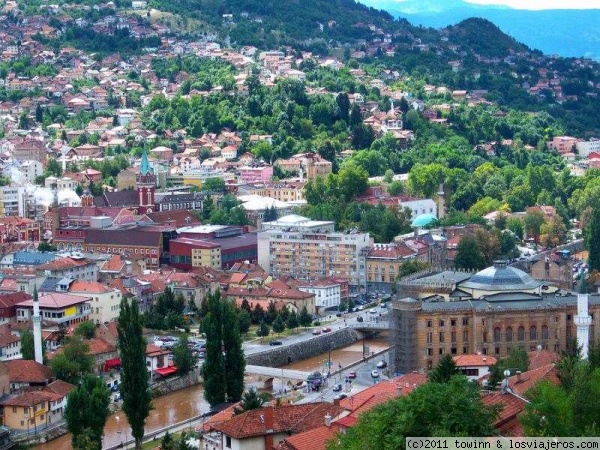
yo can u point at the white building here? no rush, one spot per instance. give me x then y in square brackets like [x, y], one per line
[61, 183]
[584, 148]
[474, 366]
[327, 293]
[419, 206]
[31, 169]
[104, 300]
[310, 250]
[13, 201]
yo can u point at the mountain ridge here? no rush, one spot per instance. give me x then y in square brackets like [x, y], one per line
[550, 31]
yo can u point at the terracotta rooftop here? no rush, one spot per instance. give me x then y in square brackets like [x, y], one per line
[98, 346]
[474, 360]
[315, 439]
[56, 300]
[286, 419]
[114, 264]
[27, 371]
[92, 287]
[59, 387]
[520, 384]
[61, 264]
[541, 358]
[29, 399]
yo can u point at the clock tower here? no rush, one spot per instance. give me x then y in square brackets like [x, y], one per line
[146, 183]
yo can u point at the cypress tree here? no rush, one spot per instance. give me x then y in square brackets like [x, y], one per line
[134, 386]
[213, 369]
[235, 363]
[593, 241]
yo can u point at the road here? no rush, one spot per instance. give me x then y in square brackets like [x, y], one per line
[330, 321]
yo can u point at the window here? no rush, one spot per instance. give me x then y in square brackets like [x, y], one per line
[465, 336]
[429, 338]
[228, 441]
[533, 333]
[497, 350]
[453, 337]
[429, 324]
[441, 351]
[464, 350]
[429, 352]
[496, 334]
[521, 334]
[452, 322]
[509, 334]
[441, 337]
[544, 333]
[441, 323]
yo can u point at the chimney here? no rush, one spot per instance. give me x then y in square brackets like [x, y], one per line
[328, 419]
[398, 390]
[268, 418]
[484, 358]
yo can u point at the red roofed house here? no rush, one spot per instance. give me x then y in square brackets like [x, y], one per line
[24, 373]
[158, 361]
[104, 300]
[57, 308]
[8, 305]
[262, 429]
[69, 267]
[474, 366]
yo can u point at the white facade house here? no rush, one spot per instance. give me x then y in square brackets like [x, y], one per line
[584, 148]
[474, 366]
[327, 293]
[104, 300]
[31, 169]
[419, 206]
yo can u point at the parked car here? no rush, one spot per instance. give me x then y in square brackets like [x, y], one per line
[315, 332]
[375, 373]
[338, 314]
[340, 397]
[275, 343]
[337, 387]
[360, 319]
[352, 374]
[382, 364]
[326, 330]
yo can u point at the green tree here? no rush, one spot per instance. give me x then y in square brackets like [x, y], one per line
[235, 362]
[419, 414]
[213, 369]
[39, 113]
[244, 320]
[516, 360]
[533, 222]
[214, 185]
[593, 240]
[292, 321]
[262, 330]
[278, 324]
[134, 387]
[45, 246]
[444, 370]
[87, 411]
[252, 399]
[468, 254]
[86, 330]
[183, 357]
[271, 313]
[73, 362]
[27, 345]
[304, 317]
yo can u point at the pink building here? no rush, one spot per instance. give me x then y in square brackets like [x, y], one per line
[563, 144]
[260, 174]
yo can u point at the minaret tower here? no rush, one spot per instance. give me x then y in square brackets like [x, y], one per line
[37, 328]
[583, 320]
[146, 183]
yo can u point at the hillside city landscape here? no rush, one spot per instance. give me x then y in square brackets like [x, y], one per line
[262, 225]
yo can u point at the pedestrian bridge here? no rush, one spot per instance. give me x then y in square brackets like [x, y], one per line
[274, 372]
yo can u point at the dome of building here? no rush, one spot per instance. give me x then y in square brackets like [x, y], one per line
[423, 220]
[501, 277]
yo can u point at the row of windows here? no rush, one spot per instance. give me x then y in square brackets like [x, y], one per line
[442, 337]
[509, 334]
[442, 323]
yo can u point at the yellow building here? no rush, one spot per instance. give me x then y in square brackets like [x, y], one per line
[383, 265]
[210, 256]
[26, 412]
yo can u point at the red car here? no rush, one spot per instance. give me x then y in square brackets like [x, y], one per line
[352, 374]
[326, 330]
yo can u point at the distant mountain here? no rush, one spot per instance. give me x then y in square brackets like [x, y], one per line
[566, 32]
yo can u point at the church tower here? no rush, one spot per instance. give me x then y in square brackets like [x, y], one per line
[146, 183]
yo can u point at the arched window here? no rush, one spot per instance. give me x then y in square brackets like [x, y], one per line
[533, 333]
[545, 333]
[521, 334]
[496, 334]
[509, 334]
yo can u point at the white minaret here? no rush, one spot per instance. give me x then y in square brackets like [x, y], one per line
[583, 321]
[37, 329]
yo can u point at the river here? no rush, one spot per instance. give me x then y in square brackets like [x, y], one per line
[185, 403]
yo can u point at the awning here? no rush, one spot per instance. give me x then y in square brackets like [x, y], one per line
[112, 363]
[164, 371]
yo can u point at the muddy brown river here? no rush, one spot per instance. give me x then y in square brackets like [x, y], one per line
[180, 405]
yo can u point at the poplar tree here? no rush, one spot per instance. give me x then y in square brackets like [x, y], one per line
[235, 363]
[593, 241]
[134, 387]
[213, 369]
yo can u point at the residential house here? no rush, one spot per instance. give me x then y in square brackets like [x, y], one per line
[57, 308]
[474, 367]
[69, 267]
[104, 300]
[23, 373]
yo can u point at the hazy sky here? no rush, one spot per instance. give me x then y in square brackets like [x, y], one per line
[542, 4]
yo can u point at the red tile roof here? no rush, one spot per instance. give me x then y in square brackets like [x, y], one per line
[315, 439]
[520, 384]
[27, 371]
[86, 286]
[286, 419]
[61, 264]
[59, 387]
[541, 358]
[29, 399]
[474, 360]
[57, 300]
[98, 346]
[114, 264]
